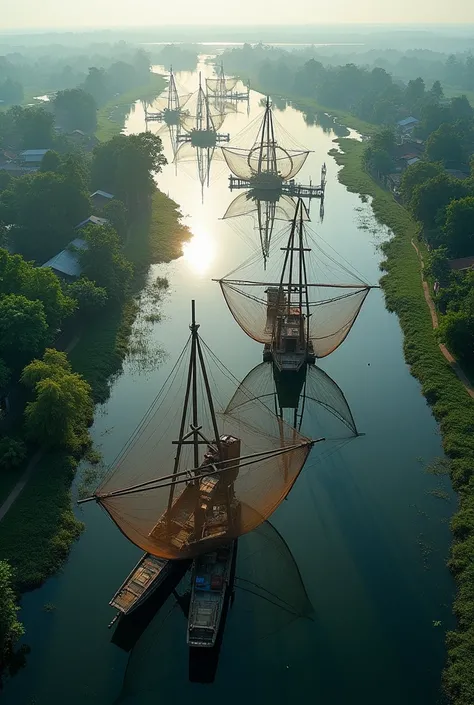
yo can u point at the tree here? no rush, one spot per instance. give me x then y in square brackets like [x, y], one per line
[37, 284]
[457, 331]
[439, 266]
[34, 127]
[432, 196]
[117, 215]
[432, 116]
[444, 145]
[104, 262]
[436, 91]
[10, 628]
[51, 162]
[461, 108]
[75, 167]
[62, 408]
[96, 85]
[23, 329]
[417, 174]
[378, 160]
[384, 140]
[90, 297]
[414, 93]
[12, 453]
[5, 375]
[45, 208]
[125, 166]
[460, 227]
[76, 109]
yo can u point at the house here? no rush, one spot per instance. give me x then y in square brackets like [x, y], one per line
[66, 263]
[101, 198]
[461, 264]
[33, 157]
[92, 220]
[80, 138]
[407, 125]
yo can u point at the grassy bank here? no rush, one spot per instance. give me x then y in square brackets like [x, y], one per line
[111, 116]
[37, 532]
[451, 405]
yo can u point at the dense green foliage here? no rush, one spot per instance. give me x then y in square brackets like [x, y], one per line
[44, 208]
[90, 298]
[125, 166]
[26, 128]
[104, 262]
[10, 628]
[62, 408]
[23, 328]
[75, 109]
[12, 453]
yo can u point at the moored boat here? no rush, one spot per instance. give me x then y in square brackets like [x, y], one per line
[210, 586]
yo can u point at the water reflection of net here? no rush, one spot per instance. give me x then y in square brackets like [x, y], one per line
[312, 395]
[270, 597]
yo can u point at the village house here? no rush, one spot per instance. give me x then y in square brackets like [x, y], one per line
[32, 157]
[407, 125]
[100, 199]
[66, 264]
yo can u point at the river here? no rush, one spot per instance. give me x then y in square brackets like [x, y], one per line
[369, 537]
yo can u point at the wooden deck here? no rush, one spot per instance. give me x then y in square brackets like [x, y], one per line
[146, 572]
[289, 188]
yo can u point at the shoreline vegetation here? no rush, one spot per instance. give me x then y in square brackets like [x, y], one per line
[38, 531]
[111, 116]
[449, 401]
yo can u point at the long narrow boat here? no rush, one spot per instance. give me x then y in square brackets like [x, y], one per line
[149, 574]
[211, 583]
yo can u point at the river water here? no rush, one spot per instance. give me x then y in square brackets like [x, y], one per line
[369, 537]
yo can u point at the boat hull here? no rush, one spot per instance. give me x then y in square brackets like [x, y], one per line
[211, 587]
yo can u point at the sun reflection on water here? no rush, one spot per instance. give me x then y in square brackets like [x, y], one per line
[200, 251]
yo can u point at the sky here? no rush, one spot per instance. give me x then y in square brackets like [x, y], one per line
[59, 14]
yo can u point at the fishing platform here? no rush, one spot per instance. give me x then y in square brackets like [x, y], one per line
[288, 188]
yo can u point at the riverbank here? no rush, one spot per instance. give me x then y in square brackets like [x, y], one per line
[40, 527]
[111, 116]
[450, 403]
[307, 105]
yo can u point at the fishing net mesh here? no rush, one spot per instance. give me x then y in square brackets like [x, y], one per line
[330, 318]
[171, 524]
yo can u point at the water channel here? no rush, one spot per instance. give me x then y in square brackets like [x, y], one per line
[369, 537]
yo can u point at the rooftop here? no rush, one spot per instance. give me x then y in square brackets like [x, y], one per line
[407, 121]
[67, 261]
[103, 194]
[92, 220]
[34, 152]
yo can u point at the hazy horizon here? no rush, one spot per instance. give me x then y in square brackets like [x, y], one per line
[54, 15]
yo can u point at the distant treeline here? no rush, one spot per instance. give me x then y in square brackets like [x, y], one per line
[180, 57]
[370, 94]
[49, 69]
